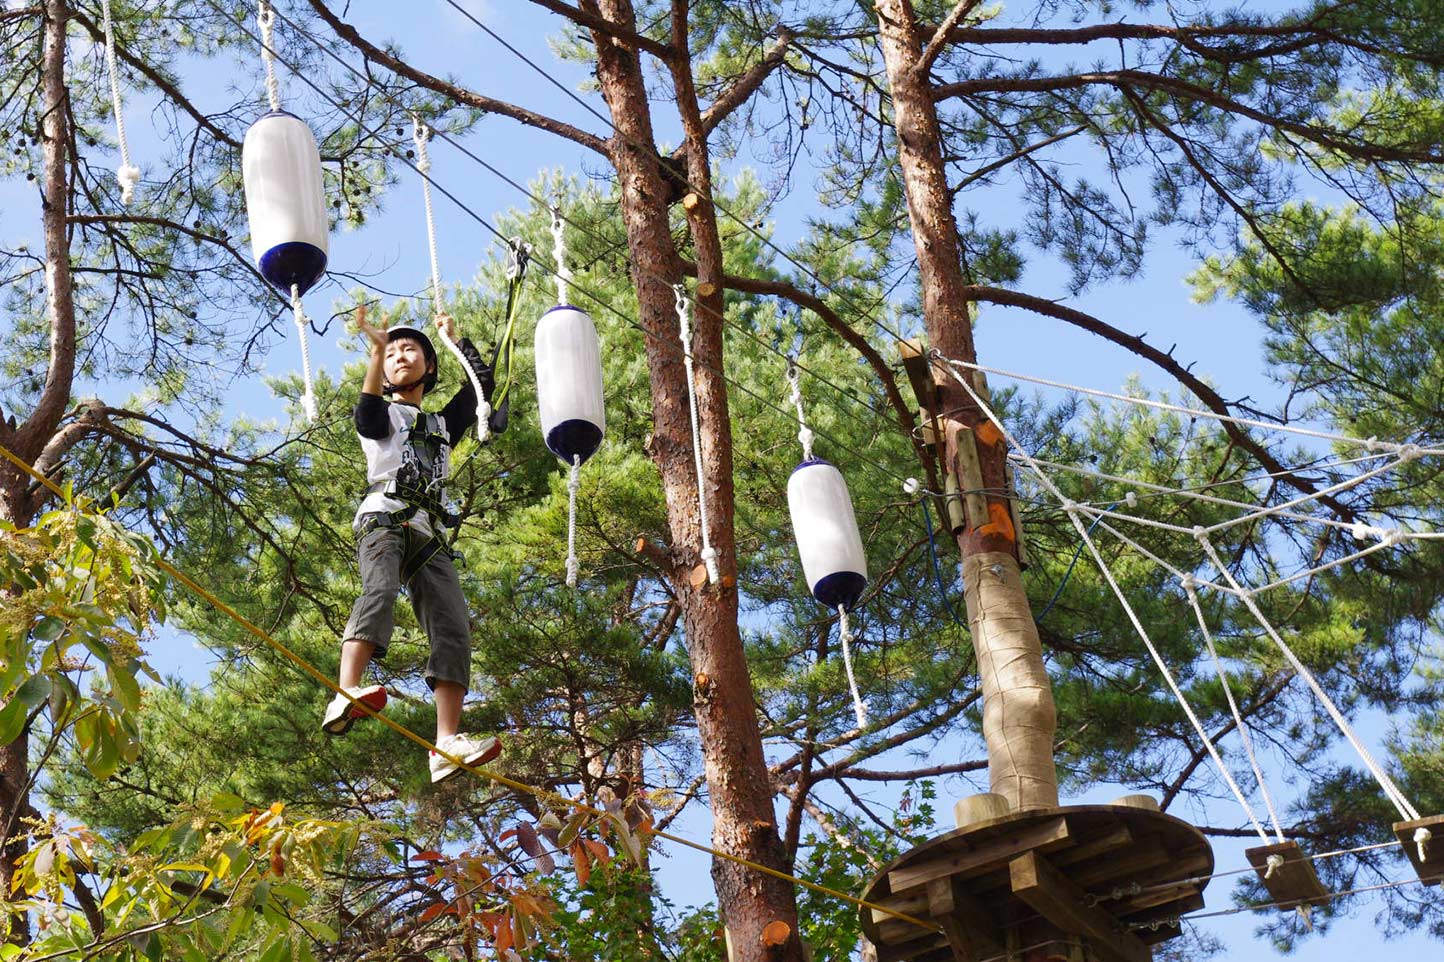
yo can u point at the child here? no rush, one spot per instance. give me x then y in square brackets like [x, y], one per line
[399, 530]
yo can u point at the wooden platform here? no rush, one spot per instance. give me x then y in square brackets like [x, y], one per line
[984, 881]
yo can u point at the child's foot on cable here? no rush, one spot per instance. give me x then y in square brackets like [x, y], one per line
[471, 749]
[342, 712]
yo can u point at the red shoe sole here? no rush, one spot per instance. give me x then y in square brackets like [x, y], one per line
[372, 700]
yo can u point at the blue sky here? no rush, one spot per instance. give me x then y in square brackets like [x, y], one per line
[1219, 337]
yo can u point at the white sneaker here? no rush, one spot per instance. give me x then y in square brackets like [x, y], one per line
[342, 712]
[471, 749]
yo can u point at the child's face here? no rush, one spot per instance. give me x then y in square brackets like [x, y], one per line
[405, 361]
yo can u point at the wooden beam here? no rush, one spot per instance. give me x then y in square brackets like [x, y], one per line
[914, 355]
[1431, 865]
[1292, 880]
[985, 857]
[1055, 897]
[971, 930]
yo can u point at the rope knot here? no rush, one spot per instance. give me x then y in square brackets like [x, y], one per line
[1275, 862]
[128, 175]
[1131, 499]
[1188, 582]
[1421, 838]
[1409, 452]
[1200, 533]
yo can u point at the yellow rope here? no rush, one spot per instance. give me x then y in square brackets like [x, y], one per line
[540, 793]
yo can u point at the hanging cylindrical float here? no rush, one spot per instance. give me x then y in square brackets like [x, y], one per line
[826, 531]
[569, 383]
[285, 202]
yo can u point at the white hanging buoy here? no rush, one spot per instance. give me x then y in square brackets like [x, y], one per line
[569, 383]
[569, 387]
[285, 201]
[825, 528]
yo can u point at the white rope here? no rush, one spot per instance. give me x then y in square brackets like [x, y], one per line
[1192, 593]
[1385, 782]
[804, 434]
[127, 174]
[844, 631]
[266, 19]
[1194, 495]
[1372, 444]
[559, 254]
[1073, 510]
[421, 134]
[308, 399]
[573, 486]
[684, 321]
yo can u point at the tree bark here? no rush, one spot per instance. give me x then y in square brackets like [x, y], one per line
[1019, 718]
[30, 437]
[744, 823]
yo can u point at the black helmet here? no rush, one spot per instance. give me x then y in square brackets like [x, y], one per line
[411, 332]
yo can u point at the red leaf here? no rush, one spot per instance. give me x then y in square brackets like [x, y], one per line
[431, 912]
[428, 857]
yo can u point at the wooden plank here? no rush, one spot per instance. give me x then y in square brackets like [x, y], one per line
[1129, 863]
[914, 355]
[1115, 839]
[1293, 881]
[1058, 900]
[985, 856]
[1431, 866]
[970, 473]
[913, 903]
[957, 517]
[971, 930]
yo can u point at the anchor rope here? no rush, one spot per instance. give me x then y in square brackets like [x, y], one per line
[421, 135]
[127, 174]
[684, 309]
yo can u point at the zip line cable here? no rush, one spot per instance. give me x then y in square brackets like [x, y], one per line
[546, 796]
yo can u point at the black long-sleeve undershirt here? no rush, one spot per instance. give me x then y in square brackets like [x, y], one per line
[373, 422]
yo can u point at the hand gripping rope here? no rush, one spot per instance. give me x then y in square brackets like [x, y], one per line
[421, 134]
[684, 321]
[574, 479]
[844, 628]
[127, 173]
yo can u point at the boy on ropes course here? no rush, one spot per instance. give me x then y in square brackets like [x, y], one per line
[399, 528]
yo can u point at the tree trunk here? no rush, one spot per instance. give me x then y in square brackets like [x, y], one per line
[1019, 719]
[29, 438]
[744, 824]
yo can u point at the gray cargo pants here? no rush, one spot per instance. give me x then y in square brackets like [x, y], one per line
[435, 597]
